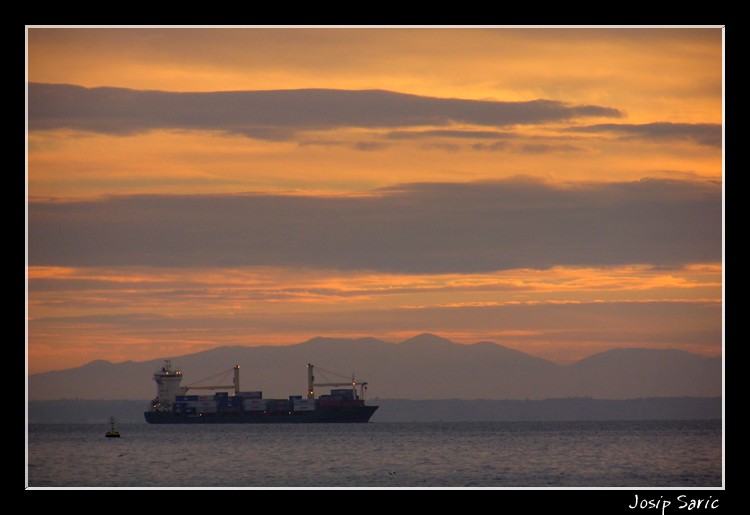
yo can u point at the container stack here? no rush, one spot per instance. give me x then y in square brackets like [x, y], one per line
[206, 404]
[254, 404]
[229, 404]
[344, 397]
[193, 404]
[304, 404]
[346, 394]
[278, 405]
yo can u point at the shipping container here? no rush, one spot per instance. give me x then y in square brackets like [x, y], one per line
[304, 404]
[278, 405]
[254, 405]
[344, 394]
[201, 405]
[251, 395]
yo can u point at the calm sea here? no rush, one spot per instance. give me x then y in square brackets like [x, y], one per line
[683, 454]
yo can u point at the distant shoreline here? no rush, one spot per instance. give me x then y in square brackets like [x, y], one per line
[66, 411]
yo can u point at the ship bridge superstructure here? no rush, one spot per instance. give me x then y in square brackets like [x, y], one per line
[168, 387]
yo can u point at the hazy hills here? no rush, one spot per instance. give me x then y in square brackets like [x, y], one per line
[423, 367]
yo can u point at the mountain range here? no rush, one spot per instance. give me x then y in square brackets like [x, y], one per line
[423, 367]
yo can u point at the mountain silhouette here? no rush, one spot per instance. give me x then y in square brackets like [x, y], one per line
[425, 366]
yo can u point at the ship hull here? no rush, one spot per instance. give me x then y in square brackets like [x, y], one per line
[329, 414]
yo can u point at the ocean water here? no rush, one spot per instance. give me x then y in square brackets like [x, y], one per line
[612, 454]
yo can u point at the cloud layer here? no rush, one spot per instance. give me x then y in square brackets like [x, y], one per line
[702, 133]
[416, 228]
[276, 114]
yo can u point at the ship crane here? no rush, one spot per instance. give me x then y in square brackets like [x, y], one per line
[311, 384]
[235, 383]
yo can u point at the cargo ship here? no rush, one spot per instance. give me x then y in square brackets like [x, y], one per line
[172, 405]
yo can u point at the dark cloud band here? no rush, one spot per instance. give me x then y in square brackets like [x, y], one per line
[419, 228]
[276, 114]
[702, 133]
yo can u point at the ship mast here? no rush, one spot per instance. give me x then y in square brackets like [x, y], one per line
[310, 382]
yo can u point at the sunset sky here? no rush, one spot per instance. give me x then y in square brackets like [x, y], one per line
[555, 190]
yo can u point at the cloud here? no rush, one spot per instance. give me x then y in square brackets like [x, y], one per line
[542, 148]
[362, 146]
[367, 146]
[491, 147]
[499, 142]
[703, 133]
[276, 114]
[529, 148]
[414, 228]
[445, 133]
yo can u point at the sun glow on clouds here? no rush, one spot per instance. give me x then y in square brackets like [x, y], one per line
[334, 286]
[153, 310]
[552, 190]
[633, 67]
[344, 160]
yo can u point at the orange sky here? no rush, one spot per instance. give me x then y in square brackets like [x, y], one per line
[665, 83]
